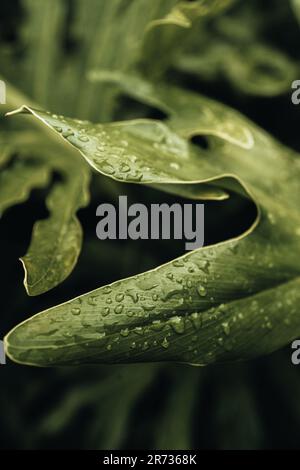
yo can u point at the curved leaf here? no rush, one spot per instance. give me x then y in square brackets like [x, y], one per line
[56, 241]
[234, 300]
[28, 161]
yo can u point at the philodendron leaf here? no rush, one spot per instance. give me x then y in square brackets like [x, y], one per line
[189, 113]
[231, 301]
[56, 241]
[233, 48]
[256, 69]
[173, 30]
[28, 160]
[96, 25]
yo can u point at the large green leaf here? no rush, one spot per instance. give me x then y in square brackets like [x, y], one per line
[57, 79]
[56, 241]
[233, 300]
[29, 160]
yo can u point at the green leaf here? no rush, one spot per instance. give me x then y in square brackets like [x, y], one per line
[17, 182]
[189, 114]
[173, 31]
[56, 241]
[257, 69]
[233, 300]
[233, 48]
[93, 27]
[127, 152]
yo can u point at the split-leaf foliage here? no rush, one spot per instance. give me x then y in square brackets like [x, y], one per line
[66, 123]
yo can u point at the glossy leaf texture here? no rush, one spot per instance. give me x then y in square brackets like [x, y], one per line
[218, 303]
[56, 241]
[29, 160]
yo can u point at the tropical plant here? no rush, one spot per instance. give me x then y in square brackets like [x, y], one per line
[107, 97]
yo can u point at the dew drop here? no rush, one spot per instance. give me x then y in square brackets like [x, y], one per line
[157, 325]
[124, 332]
[178, 263]
[201, 291]
[92, 300]
[107, 290]
[124, 168]
[119, 297]
[174, 165]
[165, 343]
[196, 320]
[204, 266]
[75, 311]
[133, 295]
[226, 328]
[68, 133]
[139, 330]
[83, 138]
[105, 311]
[118, 309]
[177, 324]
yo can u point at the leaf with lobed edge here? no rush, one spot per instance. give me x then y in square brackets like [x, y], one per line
[28, 161]
[128, 152]
[56, 241]
[230, 301]
[172, 31]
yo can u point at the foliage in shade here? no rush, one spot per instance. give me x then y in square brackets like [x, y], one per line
[102, 93]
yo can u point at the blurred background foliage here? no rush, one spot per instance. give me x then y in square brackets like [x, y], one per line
[245, 56]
